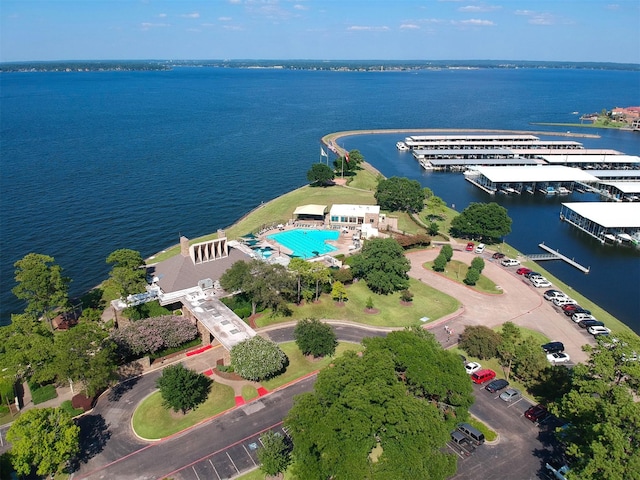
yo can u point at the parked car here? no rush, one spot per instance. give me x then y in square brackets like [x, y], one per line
[483, 376]
[540, 282]
[558, 357]
[480, 248]
[496, 385]
[553, 347]
[470, 246]
[573, 308]
[472, 367]
[509, 394]
[536, 413]
[590, 323]
[497, 256]
[551, 294]
[579, 309]
[531, 273]
[578, 317]
[598, 330]
[509, 262]
[559, 302]
[523, 271]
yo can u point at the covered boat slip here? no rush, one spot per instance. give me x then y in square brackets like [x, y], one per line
[547, 179]
[621, 191]
[458, 164]
[594, 159]
[613, 175]
[605, 221]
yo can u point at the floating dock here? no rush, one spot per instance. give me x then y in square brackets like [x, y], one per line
[556, 255]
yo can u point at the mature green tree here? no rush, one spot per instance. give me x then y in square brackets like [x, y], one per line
[480, 341]
[41, 284]
[478, 264]
[602, 412]
[339, 291]
[265, 284]
[400, 194]
[44, 439]
[183, 389]
[472, 276]
[510, 337]
[26, 348]
[127, 272]
[383, 265]
[530, 360]
[314, 337]
[375, 402]
[433, 229]
[320, 174]
[447, 251]
[440, 263]
[344, 275]
[436, 207]
[320, 275]
[85, 354]
[487, 221]
[301, 268]
[275, 454]
[258, 358]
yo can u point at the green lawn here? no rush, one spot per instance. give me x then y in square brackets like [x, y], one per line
[427, 302]
[457, 271]
[299, 365]
[152, 421]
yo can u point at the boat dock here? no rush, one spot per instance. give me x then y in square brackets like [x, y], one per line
[556, 255]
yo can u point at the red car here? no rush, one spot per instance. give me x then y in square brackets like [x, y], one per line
[523, 271]
[470, 247]
[483, 376]
[497, 255]
[536, 413]
[570, 307]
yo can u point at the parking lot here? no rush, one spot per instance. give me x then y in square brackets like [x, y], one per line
[227, 463]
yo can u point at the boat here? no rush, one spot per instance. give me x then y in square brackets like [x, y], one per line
[402, 146]
[563, 191]
[608, 236]
[624, 237]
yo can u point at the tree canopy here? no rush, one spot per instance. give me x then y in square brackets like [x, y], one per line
[486, 221]
[320, 174]
[42, 438]
[602, 412]
[400, 194]
[127, 273]
[183, 389]
[41, 284]
[368, 417]
[258, 358]
[314, 337]
[383, 265]
[275, 454]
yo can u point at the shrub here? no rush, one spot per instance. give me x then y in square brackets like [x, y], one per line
[182, 388]
[314, 337]
[406, 296]
[440, 263]
[257, 359]
[478, 264]
[447, 251]
[153, 334]
[433, 228]
[342, 275]
[472, 277]
[42, 393]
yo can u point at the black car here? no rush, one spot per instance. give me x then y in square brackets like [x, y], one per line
[553, 347]
[496, 385]
[532, 274]
[497, 255]
[590, 323]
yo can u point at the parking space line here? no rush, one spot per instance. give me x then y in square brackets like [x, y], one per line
[454, 450]
[245, 449]
[515, 402]
[214, 469]
[232, 462]
[194, 471]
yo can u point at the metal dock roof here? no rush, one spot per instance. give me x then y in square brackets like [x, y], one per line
[608, 214]
[540, 173]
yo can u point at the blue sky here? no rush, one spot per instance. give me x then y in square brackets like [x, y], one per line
[562, 30]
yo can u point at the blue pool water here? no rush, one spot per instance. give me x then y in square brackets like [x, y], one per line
[306, 243]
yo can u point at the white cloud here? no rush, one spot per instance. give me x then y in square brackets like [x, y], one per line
[300, 7]
[368, 28]
[542, 19]
[149, 25]
[235, 2]
[525, 12]
[612, 6]
[409, 26]
[479, 8]
[224, 19]
[190, 15]
[475, 22]
[234, 28]
[162, 15]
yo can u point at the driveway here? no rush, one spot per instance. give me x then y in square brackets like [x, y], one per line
[520, 303]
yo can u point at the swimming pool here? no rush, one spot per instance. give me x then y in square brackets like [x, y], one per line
[306, 243]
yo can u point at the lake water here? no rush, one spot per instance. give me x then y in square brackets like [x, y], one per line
[95, 161]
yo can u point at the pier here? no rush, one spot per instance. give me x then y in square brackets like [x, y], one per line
[556, 255]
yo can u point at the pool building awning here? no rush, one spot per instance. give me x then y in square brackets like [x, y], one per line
[310, 210]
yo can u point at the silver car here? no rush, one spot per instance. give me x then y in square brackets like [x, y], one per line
[509, 394]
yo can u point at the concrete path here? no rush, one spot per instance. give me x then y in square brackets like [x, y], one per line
[520, 303]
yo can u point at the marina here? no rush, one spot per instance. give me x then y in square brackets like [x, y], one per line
[605, 221]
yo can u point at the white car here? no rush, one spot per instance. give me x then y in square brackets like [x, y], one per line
[480, 248]
[578, 317]
[597, 330]
[551, 294]
[509, 262]
[540, 282]
[558, 302]
[472, 367]
[558, 357]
